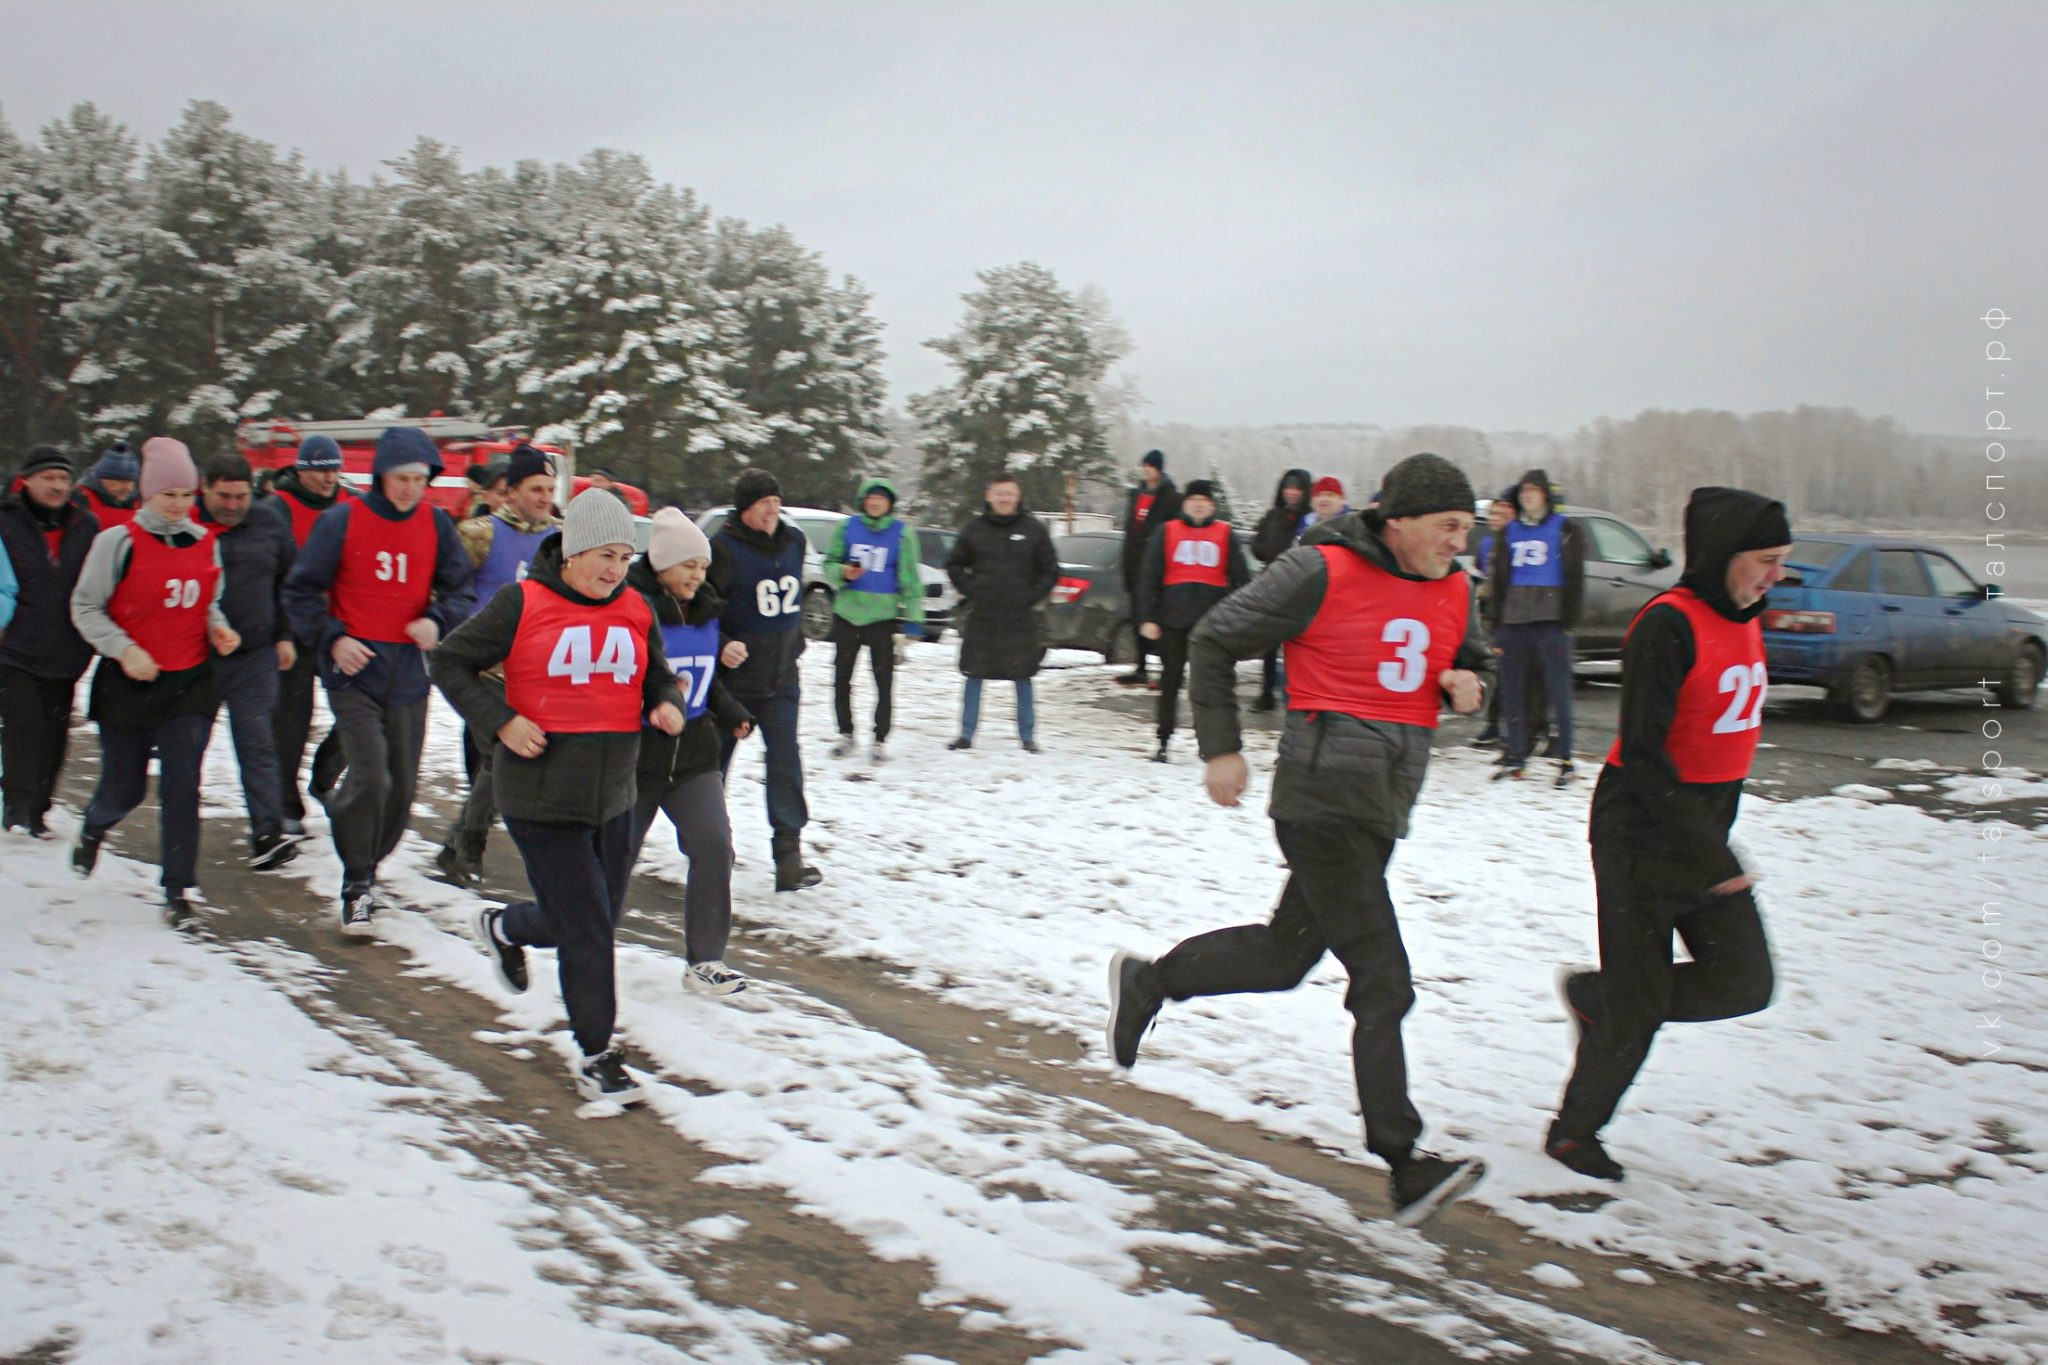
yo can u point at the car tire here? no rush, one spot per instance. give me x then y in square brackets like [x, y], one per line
[1122, 649]
[817, 613]
[1867, 694]
[2022, 680]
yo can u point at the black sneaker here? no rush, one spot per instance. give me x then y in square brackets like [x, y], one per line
[604, 1077]
[177, 909]
[1137, 679]
[1133, 1005]
[272, 850]
[356, 909]
[1160, 757]
[961, 743]
[1584, 1155]
[1567, 773]
[1263, 702]
[508, 959]
[1031, 747]
[1487, 738]
[1509, 769]
[457, 868]
[86, 854]
[1423, 1184]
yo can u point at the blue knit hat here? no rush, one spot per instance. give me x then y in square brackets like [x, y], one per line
[319, 452]
[117, 461]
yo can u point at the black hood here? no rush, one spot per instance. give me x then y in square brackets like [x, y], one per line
[1293, 478]
[1542, 480]
[1364, 532]
[703, 607]
[1718, 522]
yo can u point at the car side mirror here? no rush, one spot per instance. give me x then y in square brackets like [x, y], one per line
[1660, 559]
[1985, 592]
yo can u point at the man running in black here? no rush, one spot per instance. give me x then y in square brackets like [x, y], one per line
[1692, 699]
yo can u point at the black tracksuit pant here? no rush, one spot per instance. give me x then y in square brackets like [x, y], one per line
[35, 734]
[1173, 671]
[370, 809]
[879, 639]
[579, 875]
[180, 748]
[1335, 901]
[294, 725]
[1640, 989]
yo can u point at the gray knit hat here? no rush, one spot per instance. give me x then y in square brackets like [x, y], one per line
[1423, 484]
[595, 518]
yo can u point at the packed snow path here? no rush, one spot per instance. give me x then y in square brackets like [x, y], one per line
[910, 1145]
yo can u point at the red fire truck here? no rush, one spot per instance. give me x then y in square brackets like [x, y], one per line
[273, 445]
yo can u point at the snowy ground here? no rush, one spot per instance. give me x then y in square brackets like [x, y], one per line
[1878, 1133]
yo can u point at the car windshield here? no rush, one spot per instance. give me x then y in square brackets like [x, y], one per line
[1097, 552]
[1816, 554]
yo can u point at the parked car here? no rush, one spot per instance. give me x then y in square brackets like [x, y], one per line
[1090, 607]
[1623, 572]
[1868, 617]
[818, 526]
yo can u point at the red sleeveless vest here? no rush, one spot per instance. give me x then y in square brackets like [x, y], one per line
[1720, 711]
[1378, 643]
[386, 575]
[576, 669]
[1197, 554]
[161, 600]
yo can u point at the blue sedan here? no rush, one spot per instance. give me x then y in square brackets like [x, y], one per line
[1870, 616]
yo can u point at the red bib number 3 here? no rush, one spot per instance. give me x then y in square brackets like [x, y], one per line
[1410, 639]
[572, 658]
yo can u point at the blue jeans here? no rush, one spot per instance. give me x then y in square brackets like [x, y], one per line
[180, 747]
[1544, 646]
[775, 723]
[249, 686]
[970, 710]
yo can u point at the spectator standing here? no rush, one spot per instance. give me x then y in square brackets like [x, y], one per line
[45, 538]
[1325, 502]
[1537, 576]
[1148, 504]
[1004, 567]
[108, 488]
[1191, 564]
[298, 496]
[1279, 531]
[874, 555]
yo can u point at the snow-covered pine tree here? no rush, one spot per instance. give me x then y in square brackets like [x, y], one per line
[617, 344]
[1030, 361]
[808, 362]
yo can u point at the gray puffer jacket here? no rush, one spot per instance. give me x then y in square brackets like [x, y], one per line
[1333, 769]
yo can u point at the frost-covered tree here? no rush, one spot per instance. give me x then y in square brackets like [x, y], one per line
[616, 345]
[808, 359]
[1030, 361]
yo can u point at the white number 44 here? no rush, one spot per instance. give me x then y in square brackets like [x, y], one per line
[571, 659]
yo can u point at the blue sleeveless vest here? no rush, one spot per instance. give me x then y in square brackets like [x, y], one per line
[692, 652]
[766, 596]
[511, 551]
[877, 554]
[1536, 553]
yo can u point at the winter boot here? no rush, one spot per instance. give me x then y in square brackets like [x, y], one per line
[1423, 1184]
[791, 872]
[1134, 1001]
[86, 855]
[604, 1077]
[1584, 1155]
[713, 978]
[961, 743]
[508, 959]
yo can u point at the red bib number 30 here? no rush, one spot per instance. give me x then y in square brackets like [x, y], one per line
[572, 659]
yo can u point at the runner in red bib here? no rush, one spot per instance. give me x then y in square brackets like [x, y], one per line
[1379, 633]
[584, 669]
[148, 600]
[1191, 563]
[1692, 697]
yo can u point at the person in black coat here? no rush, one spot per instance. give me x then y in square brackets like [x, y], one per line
[1279, 531]
[1191, 564]
[1004, 567]
[45, 537]
[1151, 502]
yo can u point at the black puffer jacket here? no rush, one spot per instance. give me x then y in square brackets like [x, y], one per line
[41, 640]
[1280, 528]
[1333, 769]
[577, 779]
[667, 761]
[1640, 802]
[1005, 569]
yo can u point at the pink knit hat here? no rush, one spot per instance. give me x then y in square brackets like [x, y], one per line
[167, 464]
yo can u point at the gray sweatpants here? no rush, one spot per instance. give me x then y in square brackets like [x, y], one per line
[696, 805]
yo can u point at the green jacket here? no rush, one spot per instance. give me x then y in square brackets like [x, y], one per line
[864, 602]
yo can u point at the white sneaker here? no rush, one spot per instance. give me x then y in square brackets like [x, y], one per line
[877, 753]
[713, 978]
[842, 746]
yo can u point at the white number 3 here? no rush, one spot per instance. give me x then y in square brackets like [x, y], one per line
[1410, 639]
[1748, 683]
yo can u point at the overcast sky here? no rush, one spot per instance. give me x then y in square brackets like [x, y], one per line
[1507, 216]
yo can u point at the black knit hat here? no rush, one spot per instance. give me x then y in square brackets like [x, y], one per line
[1155, 458]
[1198, 488]
[523, 464]
[38, 458]
[1423, 484]
[751, 486]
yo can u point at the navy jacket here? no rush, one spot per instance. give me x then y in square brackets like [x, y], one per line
[255, 557]
[41, 640]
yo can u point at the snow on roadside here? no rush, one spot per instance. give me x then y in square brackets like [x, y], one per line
[196, 1170]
